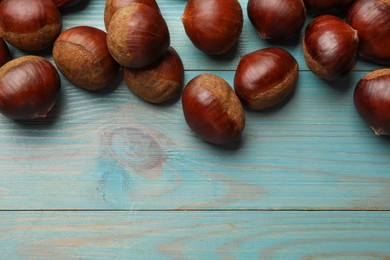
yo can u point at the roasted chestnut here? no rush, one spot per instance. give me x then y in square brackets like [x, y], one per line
[29, 25]
[137, 35]
[213, 26]
[330, 47]
[81, 54]
[212, 110]
[318, 7]
[159, 82]
[4, 53]
[277, 19]
[371, 18]
[265, 78]
[29, 87]
[113, 5]
[372, 100]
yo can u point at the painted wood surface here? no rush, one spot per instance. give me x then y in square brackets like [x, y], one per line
[136, 183]
[195, 235]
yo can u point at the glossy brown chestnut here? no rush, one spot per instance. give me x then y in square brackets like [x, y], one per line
[29, 87]
[277, 19]
[113, 5]
[29, 25]
[371, 18]
[159, 82]
[81, 54]
[4, 52]
[62, 4]
[137, 35]
[265, 78]
[330, 47]
[213, 26]
[318, 7]
[212, 110]
[372, 100]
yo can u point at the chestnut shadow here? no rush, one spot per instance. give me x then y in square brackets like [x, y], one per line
[229, 147]
[227, 56]
[107, 90]
[77, 7]
[341, 85]
[285, 43]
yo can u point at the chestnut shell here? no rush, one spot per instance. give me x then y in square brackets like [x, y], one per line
[266, 78]
[4, 53]
[29, 87]
[372, 21]
[213, 26]
[212, 110]
[330, 47]
[372, 100]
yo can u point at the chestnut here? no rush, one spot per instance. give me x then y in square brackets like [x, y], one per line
[137, 35]
[29, 25]
[62, 4]
[265, 78]
[29, 87]
[371, 18]
[213, 26]
[159, 82]
[4, 52]
[318, 7]
[372, 100]
[330, 47]
[212, 110]
[277, 19]
[81, 54]
[113, 5]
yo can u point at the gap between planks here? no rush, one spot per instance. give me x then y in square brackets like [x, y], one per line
[195, 210]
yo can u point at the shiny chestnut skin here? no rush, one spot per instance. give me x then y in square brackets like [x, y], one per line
[4, 52]
[81, 54]
[318, 7]
[29, 25]
[29, 87]
[372, 100]
[63, 4]
[371, 18]
[213, 26]
[212, 110]
[137, 35]
[330, 47]
[114, 5]
[277, 19]
[266, 78]
[159, 82]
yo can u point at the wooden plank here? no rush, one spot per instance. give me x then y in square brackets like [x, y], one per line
[113, 151]
[195, 235]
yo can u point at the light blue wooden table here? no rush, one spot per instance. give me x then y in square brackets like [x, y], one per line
[108, 176]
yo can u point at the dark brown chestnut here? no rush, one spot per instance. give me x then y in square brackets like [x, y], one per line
[213, 26]
[137, 35]
[29, 87]
[63, 4]
[318, 7]
[277, 19]
[372, 100]
[113, 5]
[371, 18]
[330, 47]
[266, 78]
[159, 82]
[81, 54]
[212, 110]
[4, 52]
[29, 25]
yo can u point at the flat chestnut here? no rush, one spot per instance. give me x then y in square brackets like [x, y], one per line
[29, 87]
[114, 5]
[266, 78]
[330, 47]
[4, 53]
[213, 26]
[277, 19]
[137, 35]
[159, 82]
[212, 110]
[31, 25]
[371, 18]
[318, 7]
[81, 54]
[372, 100]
